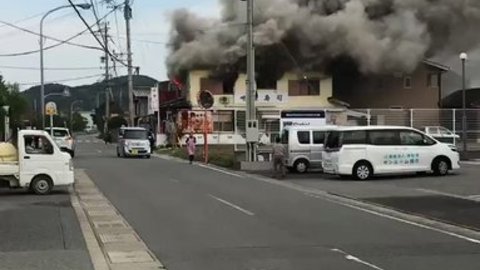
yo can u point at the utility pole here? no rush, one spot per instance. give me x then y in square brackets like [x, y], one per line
[251, 111]
[131, 107]
[107, 80]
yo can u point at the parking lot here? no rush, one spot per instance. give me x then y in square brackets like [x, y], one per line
[453, 199]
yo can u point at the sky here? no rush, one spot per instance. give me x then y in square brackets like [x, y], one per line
[150, 27]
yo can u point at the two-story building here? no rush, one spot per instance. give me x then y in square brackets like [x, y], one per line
[308, 92]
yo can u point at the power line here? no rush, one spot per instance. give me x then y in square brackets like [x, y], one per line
[65, 80]
[52, 68]
[26, 19]
[48, 37]
[93, 33]
[67, 41]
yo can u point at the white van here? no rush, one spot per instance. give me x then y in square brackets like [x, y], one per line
[304, 146]
[362, 152]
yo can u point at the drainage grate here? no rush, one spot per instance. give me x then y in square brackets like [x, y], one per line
[102, 224]
[139, 256]
[118, 237]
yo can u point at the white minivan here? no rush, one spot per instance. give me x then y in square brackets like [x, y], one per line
[362, 152]
[304, 147]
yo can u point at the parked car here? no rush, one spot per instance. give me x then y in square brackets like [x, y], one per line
[304, 147]
[37, 163]
[442, 134]
[363, 152]
[133, 141]
[64, 139]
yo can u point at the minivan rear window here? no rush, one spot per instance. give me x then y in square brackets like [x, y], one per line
[332, 140]
[135, 134]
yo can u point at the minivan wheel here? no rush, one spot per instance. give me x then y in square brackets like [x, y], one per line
[41, 185]
[440, 166]
[301, 166]
[362, 171]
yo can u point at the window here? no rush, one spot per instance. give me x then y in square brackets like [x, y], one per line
[303, 137]
[135, 134]
[285, 137]
[384, 137]
[445, 131]
[38, 145]
[432, 80]
[411, 138]
[433, 130]
[59, 132]
[267, 83]
[304, 87]
[407, 82]
[212, 85]
[332, 140]
[223, 121]
[354, 137]
[318, 137]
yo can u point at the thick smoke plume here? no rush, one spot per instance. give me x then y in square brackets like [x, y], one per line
[378, 35]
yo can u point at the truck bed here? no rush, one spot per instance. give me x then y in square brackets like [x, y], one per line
[9, 168]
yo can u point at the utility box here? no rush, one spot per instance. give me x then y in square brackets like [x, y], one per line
[252, 131]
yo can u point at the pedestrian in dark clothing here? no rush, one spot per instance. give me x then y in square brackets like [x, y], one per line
[279, 153]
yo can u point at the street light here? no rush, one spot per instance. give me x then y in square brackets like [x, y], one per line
[464, 58]
[42, 80]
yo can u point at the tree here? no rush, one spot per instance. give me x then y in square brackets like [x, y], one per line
[79, 123]
[10, 96]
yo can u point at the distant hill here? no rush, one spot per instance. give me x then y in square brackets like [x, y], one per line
[92, 95]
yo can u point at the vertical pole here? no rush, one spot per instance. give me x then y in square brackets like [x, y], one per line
[107, 82]
[369, 117]
[454, 126]
[250, 112]
[205, 137]
[6, 126]
[464, 105]
[51, 125]
[131, 107]
[42, 76]
[411, 118]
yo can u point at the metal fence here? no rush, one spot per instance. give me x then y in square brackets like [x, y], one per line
[451, 119]
[416, 118]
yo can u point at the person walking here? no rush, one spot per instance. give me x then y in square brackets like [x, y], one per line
[191, 147]
[279, 153]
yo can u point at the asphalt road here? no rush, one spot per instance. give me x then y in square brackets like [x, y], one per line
[197, 218]
[40, 233]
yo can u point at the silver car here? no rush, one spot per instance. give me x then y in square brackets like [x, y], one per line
[133, 142]
[63, 138]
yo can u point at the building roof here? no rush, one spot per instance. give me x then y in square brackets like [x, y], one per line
[436, 65]
[455, 99]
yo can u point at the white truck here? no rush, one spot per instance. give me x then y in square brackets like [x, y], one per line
[36, 163]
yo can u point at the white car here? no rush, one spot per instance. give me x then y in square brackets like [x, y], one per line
[442, 134]
[133, 142]
[363, 152]
[64, 139]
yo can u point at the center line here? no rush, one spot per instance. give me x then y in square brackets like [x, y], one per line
[220, 170]
[356, 259]
[236, 207]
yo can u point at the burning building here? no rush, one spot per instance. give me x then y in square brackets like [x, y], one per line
[299, 44]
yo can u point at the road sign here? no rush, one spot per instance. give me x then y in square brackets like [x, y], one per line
[205, 99]
[51, 108]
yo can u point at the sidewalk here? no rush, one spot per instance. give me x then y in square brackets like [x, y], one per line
[40, 233]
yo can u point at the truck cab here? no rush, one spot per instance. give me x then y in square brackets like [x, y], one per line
[38, 163]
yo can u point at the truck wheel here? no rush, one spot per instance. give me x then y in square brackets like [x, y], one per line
[301, 165]
[41, 185]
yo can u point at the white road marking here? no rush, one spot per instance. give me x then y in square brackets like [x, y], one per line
[469, 239]
[99, 151]
[221, 171]
[356, 259]
[88, 141]
[471, 198]
[174, 180]
[236, 207]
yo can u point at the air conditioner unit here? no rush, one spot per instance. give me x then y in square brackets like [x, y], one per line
[224, 101]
